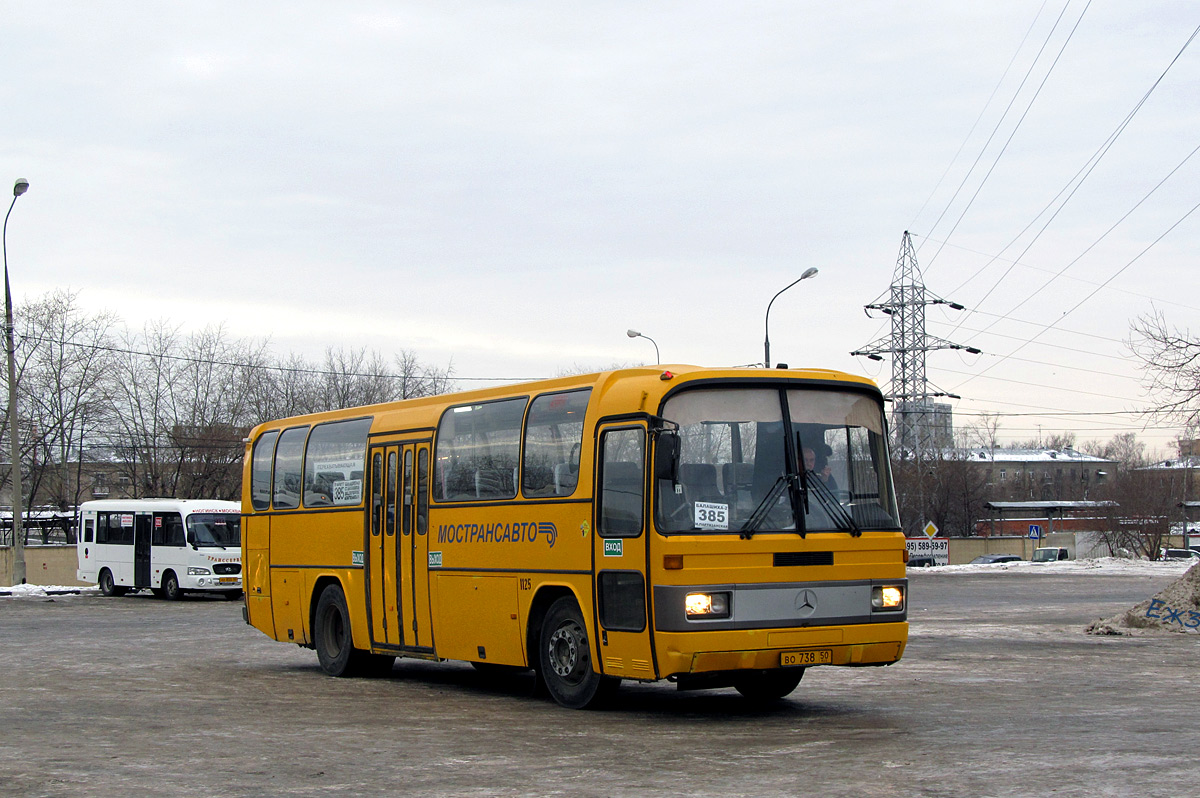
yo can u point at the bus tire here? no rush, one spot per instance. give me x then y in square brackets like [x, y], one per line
[565, 659]
[109, 586]
[769, 685]
[331, 634]
[170, 587]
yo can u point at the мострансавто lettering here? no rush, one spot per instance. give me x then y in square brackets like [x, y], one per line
[520, 532]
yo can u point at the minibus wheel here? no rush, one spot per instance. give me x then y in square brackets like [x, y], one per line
[565, 659]
[768, 685]
[170, 587]
[108, 586]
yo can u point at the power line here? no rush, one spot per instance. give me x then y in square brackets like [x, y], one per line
[1017, 127]
[1030, 266]
[1078, 180]
[979, 119]
[1086, 251]
[1086, 298]
[1071, 389]
[1044, 343]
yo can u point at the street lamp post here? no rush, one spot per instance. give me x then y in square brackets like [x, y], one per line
[636, 334]
[18, 544]
[810, 272]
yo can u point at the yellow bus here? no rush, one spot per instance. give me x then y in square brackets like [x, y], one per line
[713, 527]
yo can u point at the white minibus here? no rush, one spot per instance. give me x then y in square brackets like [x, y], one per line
[170, 546]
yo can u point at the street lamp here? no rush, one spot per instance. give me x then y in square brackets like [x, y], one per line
[810, 272]
[636, 334]
[18, 544]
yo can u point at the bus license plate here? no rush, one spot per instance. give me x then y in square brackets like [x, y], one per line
[821, 656]
[227, 580]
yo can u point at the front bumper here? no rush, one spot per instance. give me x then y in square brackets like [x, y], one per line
[762, 649]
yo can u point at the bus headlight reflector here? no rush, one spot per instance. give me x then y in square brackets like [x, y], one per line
[706, 605]
[887, 597]
[194, 571]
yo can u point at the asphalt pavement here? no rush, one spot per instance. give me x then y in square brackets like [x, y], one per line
[1000, 693]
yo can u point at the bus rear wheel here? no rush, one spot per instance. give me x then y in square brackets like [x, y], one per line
[565, 659]
[768, 685]
[108, 585]
[170, 587]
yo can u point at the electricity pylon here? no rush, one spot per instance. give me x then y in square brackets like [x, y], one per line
[912, 396]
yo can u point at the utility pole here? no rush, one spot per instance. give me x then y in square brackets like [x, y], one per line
[913, 408]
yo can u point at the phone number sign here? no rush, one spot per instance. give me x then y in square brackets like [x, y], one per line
[937, 548]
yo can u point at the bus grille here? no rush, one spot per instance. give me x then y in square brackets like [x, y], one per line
[227, 568]
[788, 558]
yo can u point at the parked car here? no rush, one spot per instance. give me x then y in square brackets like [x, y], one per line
[988, 559]
[1180, 554]
[1050, 554]
[921, 562]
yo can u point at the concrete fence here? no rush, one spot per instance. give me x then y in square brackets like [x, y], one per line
[44, 565]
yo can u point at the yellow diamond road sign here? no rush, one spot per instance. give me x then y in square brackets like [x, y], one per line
[931, 530]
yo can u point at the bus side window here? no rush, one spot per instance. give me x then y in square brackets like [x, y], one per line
[260, 470]
[287, 468]
[88, 526]
[173, 530]
[102, 527]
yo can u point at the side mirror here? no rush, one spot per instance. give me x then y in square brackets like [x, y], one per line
[666, 456]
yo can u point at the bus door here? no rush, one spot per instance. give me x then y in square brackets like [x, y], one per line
[142, 529]
[383, 583]
[415, 545]
[621, 554]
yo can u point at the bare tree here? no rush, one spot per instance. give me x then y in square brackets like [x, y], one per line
[945, 488]
[983, 433]
[64, 391]
[1171, 365]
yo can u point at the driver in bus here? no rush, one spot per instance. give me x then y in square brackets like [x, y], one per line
[825, 474]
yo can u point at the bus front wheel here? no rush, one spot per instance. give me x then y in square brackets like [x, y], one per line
[170, 587]
[565, 659]
[768, 685]
[335, 644]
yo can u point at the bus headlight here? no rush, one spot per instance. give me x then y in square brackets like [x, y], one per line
[887, 598]
[194, 571]
[706, 605]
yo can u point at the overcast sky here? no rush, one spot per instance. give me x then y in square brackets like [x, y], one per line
[508, 187]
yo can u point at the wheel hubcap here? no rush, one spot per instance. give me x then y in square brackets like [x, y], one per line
[566, 647]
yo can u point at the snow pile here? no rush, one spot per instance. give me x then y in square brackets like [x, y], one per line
[37, 591]
[1176, 608]
[1101, 565]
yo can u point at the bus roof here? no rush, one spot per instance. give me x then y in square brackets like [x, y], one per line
[654, 381]
[161, 504]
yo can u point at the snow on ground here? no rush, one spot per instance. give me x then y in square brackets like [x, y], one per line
[1102, 565]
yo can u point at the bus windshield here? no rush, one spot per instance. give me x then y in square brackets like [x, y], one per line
[222, 530]
[738, 472]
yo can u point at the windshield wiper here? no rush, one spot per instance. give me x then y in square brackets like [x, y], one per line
[829, 503]
[768, 503]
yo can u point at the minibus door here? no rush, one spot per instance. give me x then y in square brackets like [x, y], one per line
[620, 555]
[382, 576]
[142, 527]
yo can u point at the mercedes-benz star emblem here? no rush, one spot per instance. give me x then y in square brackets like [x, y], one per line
[806, 603]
